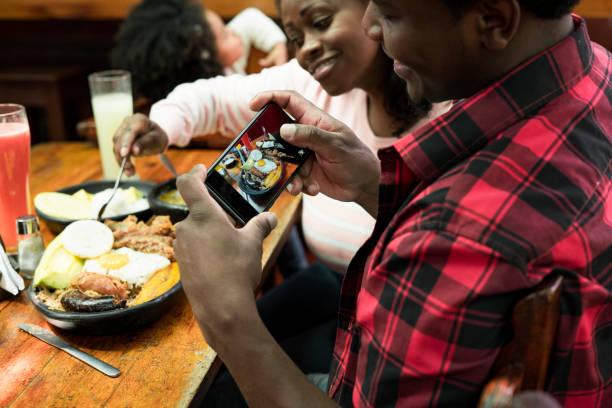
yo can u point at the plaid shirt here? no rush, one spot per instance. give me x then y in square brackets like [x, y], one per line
[475, 208]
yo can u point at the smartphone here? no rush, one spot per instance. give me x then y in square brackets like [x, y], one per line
[256, 167]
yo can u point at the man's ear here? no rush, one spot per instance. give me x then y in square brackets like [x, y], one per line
[498, 21]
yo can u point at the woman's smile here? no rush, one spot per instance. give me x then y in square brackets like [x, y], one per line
[321, 69]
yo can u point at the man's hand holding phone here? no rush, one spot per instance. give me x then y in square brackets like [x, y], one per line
[342, 166]
[220, 264]
[253, 171]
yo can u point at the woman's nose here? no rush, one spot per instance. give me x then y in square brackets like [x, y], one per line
[312, 47]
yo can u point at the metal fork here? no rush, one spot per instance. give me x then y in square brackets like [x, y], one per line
[114, 188]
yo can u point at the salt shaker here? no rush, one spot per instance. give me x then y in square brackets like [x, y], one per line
[30, 246]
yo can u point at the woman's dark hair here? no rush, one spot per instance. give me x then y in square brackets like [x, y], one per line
[164, 43]
[397, 102]
[546, 9]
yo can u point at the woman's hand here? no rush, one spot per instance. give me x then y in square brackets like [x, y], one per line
[343, 167]
[138, 136]
[220, 264]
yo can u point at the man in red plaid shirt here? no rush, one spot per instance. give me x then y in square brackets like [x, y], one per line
[472, 211]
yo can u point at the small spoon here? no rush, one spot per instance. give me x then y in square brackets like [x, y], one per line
[114, 188]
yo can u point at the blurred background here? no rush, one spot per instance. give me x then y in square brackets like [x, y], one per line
[50, 46]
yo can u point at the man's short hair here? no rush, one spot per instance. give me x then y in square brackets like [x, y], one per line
[546, 9]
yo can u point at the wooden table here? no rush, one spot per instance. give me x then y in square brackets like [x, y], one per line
[162, 365]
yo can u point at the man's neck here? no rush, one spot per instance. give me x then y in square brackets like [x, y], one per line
[537, 35]
[533, 37]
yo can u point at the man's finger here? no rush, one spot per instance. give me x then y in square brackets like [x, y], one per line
[191, 187]
[304, 111]
[260, 226]
[306, 168]
[317, 140]
[292, 102]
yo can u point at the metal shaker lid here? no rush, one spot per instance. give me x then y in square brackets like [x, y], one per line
[27, 224]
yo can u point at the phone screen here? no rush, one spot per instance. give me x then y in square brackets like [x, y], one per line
[255, 168]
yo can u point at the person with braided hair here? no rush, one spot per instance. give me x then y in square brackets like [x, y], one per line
[164, 43]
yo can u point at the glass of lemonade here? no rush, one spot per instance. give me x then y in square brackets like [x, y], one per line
[111, 101]
[14, 171]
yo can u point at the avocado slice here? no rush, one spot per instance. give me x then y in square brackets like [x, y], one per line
[57, 267]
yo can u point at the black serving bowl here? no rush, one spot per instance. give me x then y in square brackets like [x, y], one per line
[109, 322]
[159, 207]
[56, 225]
[259, 195]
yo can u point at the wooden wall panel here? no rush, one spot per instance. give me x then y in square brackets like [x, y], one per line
[109, 9]
[113, 9]
[594, 8]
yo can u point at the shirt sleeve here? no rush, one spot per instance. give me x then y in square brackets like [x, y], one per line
[258, 29]
[220, 104]
[432, 316]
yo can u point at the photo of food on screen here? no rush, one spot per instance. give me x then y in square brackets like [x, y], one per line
[258, 165]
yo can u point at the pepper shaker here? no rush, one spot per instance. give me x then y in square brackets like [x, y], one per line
[30, 246]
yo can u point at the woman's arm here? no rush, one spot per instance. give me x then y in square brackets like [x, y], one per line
[220, 104]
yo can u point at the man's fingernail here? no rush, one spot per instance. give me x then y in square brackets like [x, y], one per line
[287, 130]
[136, 150]
[124, 151]
[290, 187]
[271, 219]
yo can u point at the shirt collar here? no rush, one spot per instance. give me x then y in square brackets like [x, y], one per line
[451, 138]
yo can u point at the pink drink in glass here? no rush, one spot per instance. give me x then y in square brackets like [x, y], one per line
[14, 171]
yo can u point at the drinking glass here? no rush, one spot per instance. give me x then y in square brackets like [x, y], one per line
[111, 101]
[14, 171]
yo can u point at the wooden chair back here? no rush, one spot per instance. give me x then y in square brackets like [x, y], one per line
[522, 363]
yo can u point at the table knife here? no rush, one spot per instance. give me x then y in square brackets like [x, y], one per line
[52, 339]
[168, 164]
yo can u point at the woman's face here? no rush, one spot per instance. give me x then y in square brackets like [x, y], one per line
[330, 43]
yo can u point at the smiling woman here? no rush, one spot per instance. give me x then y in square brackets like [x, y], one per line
[339, 69]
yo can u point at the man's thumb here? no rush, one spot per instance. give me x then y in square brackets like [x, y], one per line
[260, 226]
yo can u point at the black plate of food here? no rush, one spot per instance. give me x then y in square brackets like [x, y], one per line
[165, 199]
[57, 224]
[255, 186]
[110, 321]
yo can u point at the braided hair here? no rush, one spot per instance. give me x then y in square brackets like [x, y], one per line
[164, 43]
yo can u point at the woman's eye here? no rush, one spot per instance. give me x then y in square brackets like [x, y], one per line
[321, 23]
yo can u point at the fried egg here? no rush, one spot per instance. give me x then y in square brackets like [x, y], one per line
[87, 238]
[265, 165]
[130, 266]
